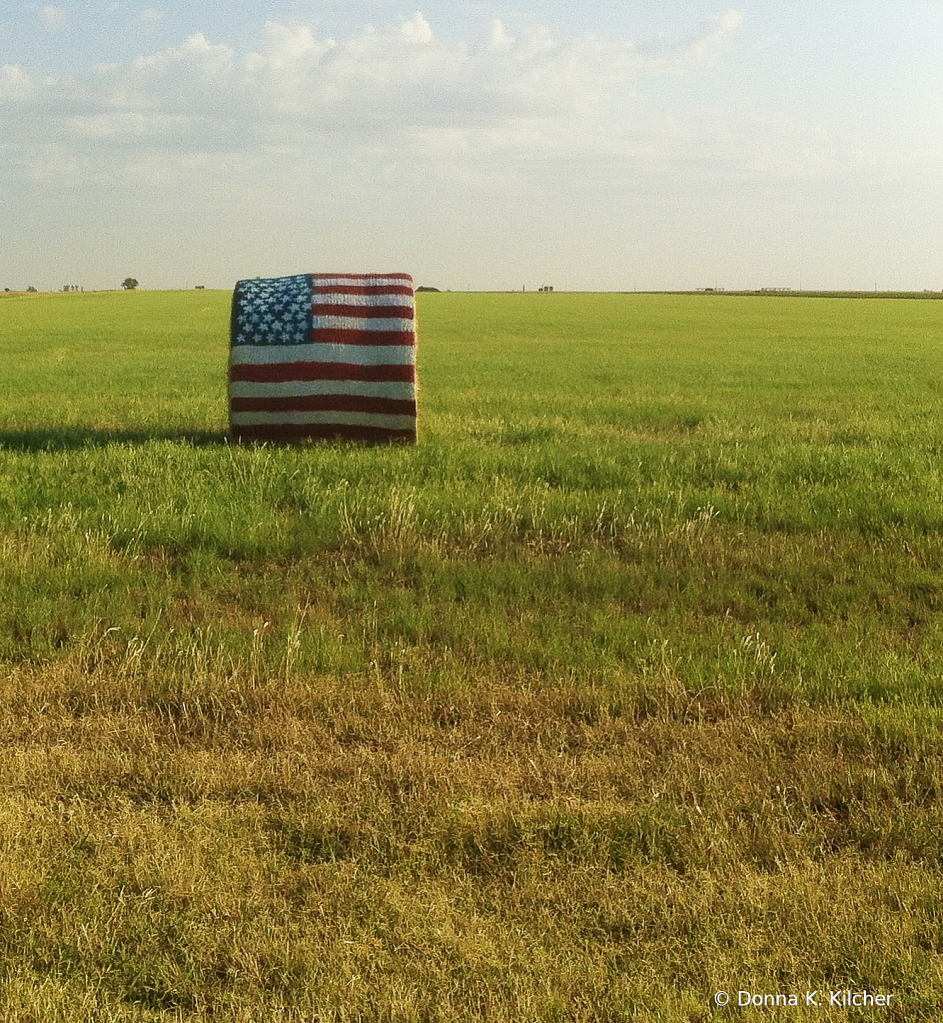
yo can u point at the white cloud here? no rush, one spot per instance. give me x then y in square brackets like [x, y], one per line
[151, 15]
[716, 30]
[531, 102]
[53, 18]
[417, 29]
[161, 73]
[700, 48]
[382, 81]
[498, 38]
[16, 84]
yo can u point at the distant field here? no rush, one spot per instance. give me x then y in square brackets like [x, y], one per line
[622, 688]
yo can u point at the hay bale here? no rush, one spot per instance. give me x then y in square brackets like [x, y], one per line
[328, 356]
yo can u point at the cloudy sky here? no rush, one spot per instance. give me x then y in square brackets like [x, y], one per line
[610, 146]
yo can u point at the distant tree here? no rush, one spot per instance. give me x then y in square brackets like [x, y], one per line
[129, 284]
[31, 288]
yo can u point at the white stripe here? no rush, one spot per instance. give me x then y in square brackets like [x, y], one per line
[366, 322]
[301, 388]
[339, 418]
[357, 355]
[362, 282]
[330, 298]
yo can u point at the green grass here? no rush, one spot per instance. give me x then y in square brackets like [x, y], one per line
[622, 687]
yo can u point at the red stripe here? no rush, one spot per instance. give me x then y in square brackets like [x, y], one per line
[363, 312]
[326, 403]
[370, 289]
[281, 371]
[352, 336]
[322, 431]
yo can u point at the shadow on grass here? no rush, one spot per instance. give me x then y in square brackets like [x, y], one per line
[70, 438]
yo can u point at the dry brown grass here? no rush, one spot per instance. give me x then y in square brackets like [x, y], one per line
[519, 848]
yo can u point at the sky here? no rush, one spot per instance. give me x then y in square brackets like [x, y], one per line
[611, 146]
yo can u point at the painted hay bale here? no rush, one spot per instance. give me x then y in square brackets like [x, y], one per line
[329, 356]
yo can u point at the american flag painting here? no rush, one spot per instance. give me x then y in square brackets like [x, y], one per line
[329, 356]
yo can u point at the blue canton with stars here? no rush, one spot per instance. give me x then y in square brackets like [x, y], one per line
[273, 311]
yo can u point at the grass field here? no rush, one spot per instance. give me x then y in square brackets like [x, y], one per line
[622, 688]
